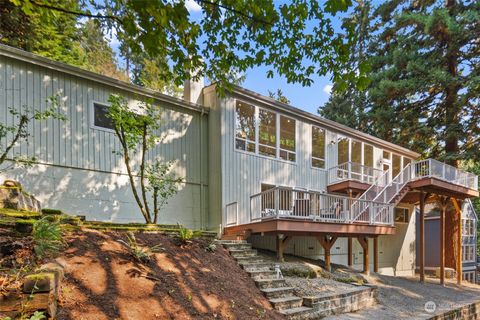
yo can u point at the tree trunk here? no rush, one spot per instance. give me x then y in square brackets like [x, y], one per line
[23, 122]
[155, 205]
[142, 172]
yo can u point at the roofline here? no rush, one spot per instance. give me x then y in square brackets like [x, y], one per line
[329, 124]
[25, 56]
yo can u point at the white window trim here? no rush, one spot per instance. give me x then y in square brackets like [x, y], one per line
[92, 116]
[408, 215]
[257, 134]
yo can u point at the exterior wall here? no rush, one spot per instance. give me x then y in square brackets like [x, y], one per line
[77, 169]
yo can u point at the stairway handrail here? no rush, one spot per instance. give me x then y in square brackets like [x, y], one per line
[392, 182]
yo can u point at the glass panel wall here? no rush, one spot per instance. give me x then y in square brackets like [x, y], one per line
[396, 165]
[318, 147]
[287, 138]
[245, 127]
[267, 133]
[343, 150]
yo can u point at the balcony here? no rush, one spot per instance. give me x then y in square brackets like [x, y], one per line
[351, 176]
[297, 204]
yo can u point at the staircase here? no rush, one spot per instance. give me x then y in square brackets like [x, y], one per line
[282, 298]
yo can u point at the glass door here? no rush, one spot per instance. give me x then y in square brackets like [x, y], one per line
[387, 165]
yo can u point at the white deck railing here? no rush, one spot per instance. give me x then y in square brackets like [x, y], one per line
[291, 203]
[436, 169]
[353, 171]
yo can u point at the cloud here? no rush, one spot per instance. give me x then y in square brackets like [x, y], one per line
[192, 6]
[328, 88]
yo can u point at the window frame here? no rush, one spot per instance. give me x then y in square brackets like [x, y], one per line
[92, 116]
[407, 215]
[279, 138]
[246, 140]
[324, 148]
[257, 134]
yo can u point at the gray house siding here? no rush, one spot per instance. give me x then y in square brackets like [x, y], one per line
[77, 169]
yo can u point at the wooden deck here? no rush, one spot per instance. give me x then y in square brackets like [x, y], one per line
[349, 187]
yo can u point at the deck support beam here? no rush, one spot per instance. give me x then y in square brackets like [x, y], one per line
[282, 242]
[443, 206]
[350, 246]
[458, 210]
[327, 243]
[423, 198]
[375, 254]
[364, 243]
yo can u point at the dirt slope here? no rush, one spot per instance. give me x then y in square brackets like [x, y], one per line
[103, 281]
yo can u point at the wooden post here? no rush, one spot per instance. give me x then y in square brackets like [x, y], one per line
[327, 244]
[422, 237]
[375, 254]
[443, 206]
[350, 245]
[281, 244]
[364, 243]
[458, 210]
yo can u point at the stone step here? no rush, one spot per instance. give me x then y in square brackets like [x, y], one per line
[261, 274]
[288, 302]
[280, 292]
[243, 252]
[250, 260]
[231, 241]
[269, 283]
[296, 312]
[238, 246]
[259, 266]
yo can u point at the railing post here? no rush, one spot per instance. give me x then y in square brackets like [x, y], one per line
[349, 168]
[277, 200]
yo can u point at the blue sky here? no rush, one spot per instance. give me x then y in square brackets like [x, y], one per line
[306, 98]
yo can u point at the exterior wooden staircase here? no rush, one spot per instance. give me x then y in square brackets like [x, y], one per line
[282, 297]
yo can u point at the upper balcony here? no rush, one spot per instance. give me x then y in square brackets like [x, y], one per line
[427, 175]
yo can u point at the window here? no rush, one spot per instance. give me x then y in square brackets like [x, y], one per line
[386, 155]
[287, 138]
[343, 150]
[245, 127]
[368, 155]
[469, 276]
[468, 253]
[468, 227]
[100, 116]
[401, 215]
[406, 161]
[318, 147]
[267, 138]
[396, 165]
[356, 157]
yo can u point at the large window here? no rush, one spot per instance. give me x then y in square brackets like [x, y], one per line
[287, 138]
[368, 155]
[396, 165]
[406, 161]
[264, 132]
[101, 118]
[318, 147]
[267, 138]
[343, 150]
[401, 215]
[245, 127]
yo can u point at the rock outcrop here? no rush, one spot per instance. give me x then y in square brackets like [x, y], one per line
[12, 196]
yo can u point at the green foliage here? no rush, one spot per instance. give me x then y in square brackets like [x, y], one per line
[297, 40]
[212, 247]
[47, 237]
[140, 253]
[18, 132]
[279, 96]
[138, 132]
[185, 235]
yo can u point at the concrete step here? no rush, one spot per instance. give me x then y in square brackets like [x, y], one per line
[231, 241]
[295, 312]
[280, 292]
[238, 246]
[288, 302]
[261, 274]
[243, 252]
[259, 266]
[269, 283]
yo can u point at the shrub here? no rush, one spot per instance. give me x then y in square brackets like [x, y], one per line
[140, 253]
[47, 237]
[185, 235]
[212, 247]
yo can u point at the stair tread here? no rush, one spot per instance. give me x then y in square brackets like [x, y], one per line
[269, 280]
[285, 299]
[271, 290]
[294, 310]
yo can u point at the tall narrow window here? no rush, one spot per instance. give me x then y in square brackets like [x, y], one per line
[406, 161]
[368, 155]
[343, 151]
[318, 147]
[356, 158]
[245, 127]
[267, 139]
[396, 165]
[287, 138]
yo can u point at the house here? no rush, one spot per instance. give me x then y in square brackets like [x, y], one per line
[469, 240]
[254, 168]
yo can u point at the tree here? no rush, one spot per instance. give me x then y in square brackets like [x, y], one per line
[18, 132]
[297, 40]
[279, 96]
[137, 131]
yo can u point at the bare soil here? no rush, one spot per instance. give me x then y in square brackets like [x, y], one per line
[104, 281]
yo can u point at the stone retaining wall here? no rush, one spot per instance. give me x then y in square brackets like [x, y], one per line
[466, 312]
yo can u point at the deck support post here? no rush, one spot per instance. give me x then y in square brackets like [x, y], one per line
[458, 210]
[375, 254]
[364, 243]
[443, 206]
[282, 242]
[350, 245]
[423, 198]
[327, 243]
